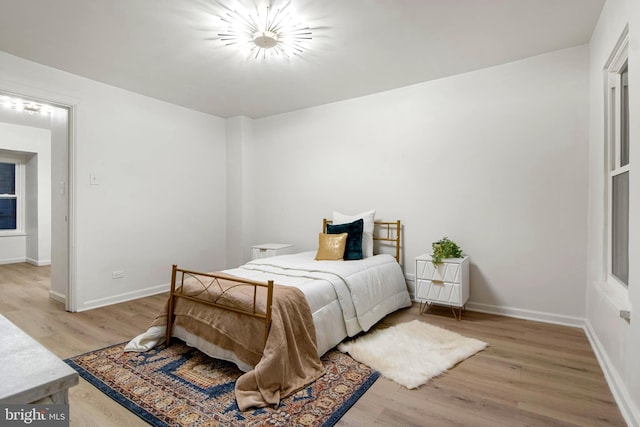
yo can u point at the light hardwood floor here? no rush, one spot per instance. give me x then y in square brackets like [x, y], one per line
[532, 374]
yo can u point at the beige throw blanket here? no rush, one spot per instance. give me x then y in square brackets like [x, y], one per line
[287, 361]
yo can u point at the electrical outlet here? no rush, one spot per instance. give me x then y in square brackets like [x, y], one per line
[118, 274]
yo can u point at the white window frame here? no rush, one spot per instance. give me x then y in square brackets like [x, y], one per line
[613, 84]
[19, 196]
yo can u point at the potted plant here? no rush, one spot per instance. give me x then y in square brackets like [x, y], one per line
[444, 248]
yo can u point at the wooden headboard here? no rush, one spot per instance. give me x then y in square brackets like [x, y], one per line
[383, 231]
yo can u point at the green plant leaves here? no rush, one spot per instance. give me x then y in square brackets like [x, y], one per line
[444, 248]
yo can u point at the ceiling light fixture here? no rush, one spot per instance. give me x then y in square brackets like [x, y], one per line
[266, 32]
[26, 106]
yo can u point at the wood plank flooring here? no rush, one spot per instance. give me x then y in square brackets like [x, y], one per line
[532, 374]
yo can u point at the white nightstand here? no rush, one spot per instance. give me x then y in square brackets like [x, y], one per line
[446, 285]
[266, 250]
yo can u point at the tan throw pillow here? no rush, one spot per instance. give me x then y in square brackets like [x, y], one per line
[331, 246]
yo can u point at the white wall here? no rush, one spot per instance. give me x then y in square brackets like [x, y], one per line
[42, 163]
[13, 249]
[238, 135]
[33, 145]
[162, 191]
[616, 342]
[60, 254]
[494, 159]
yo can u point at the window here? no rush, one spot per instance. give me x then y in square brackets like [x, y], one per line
[8, 210]
[617, 136]
[11, 195]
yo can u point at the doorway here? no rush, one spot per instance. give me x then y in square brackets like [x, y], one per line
[36, 113]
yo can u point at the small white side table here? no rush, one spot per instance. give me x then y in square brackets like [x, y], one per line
[266, 250]
[29, 372]
[446, 284]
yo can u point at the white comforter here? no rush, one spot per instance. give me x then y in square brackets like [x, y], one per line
[345, 297]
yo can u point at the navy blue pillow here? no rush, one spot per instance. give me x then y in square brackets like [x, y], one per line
[353, 249]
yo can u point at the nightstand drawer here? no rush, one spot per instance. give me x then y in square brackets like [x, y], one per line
[439, 292]
[450, 272]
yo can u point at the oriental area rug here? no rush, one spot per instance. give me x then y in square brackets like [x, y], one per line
[180, 386]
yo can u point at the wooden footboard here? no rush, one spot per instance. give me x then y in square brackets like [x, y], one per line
[214, 279]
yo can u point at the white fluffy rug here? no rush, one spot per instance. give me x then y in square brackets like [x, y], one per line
[411, 353]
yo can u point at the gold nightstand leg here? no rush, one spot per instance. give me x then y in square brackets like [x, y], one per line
[457, 316]
[424, 306]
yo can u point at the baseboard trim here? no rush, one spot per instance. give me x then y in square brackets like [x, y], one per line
[56, 296]
[38, 263]
[538, 316]
[630, 412]
[124, 297]
[28, 260]
[518, 313]
[12, 260]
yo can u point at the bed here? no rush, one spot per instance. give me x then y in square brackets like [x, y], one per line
[274, 317]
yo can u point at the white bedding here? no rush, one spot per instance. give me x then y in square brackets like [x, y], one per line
[345, 297]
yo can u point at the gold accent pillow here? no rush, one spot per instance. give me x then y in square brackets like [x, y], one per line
[331, 247]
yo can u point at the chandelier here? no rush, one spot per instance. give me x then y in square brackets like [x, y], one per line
[265, 32]
[30, 107]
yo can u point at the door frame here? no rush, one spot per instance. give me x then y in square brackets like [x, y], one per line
[70, 104]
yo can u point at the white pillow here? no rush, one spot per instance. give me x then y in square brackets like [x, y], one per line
[367, 232]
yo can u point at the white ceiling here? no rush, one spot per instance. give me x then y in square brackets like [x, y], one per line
[167, 49]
